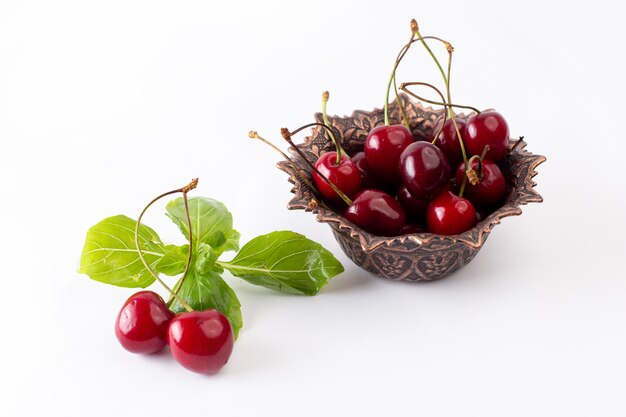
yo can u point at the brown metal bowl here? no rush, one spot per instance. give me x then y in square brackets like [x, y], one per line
[416, 257]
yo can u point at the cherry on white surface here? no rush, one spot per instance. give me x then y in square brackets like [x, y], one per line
[105, 104]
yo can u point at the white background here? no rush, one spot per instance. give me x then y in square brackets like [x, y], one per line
[105, 104]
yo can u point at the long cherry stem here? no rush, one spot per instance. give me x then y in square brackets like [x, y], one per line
[183, 190]
[286, 134]
[456, 126]
[446, 80]
[179, 284]
[339, 149]
[254, 135]
[392, 79]
[404, 86]
[420, 37]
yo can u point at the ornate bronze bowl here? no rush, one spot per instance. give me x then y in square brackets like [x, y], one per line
[416, 257]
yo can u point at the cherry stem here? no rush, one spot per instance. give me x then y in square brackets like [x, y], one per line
[443, 102]
[286, 134]
[179, 284]
[472, 176]
[446, 43]
[456, 126]
[480, 161]
[404, 88]
[401, 54]
[462, 190]
[183, 190]
[446, 80]
[254, 135]
[325, 96]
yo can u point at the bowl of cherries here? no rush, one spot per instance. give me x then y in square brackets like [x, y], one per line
[411, 192]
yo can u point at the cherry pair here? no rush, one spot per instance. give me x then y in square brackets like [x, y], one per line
[488, 128]
[201, 341]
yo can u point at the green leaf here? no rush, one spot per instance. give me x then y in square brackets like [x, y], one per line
[202, 291]
[285, 261]
[232, 242]
[205, 258]
[211, 222]
[110, 256]
[174, 260]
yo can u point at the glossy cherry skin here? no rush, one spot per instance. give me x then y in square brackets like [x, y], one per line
[367, 181]
[141, 325]
[344, 176]
[376, 212]
[449, 214]
[415, 208]
[487, 128]
[448, 140]
[491, 188]
[425, 170]
[383, 147]
[201, 341]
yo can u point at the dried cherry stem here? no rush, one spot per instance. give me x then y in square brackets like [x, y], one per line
[443, 102]
[472, 176]
[183, 190]
[339, 149]
[286, 134]
[404, 88]
[254, 135]
[401, 54]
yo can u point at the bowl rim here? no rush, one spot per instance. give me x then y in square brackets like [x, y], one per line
[305, 199]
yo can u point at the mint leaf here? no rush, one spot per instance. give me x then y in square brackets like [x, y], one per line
[110, 256]
[211, 222]
[209, 290]
[173, 261]
[285, 261]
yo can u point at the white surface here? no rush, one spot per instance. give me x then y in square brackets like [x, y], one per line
[105, 104]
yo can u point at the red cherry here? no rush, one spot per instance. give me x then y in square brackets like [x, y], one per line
[344, 176]
[487, 128]
[201, 341]
[491, 188]
[449, 214]
[415, 208]
[141, 325]
[383, 147]
[377, 213]
[425, 170]
[448, 140]
[367, 181]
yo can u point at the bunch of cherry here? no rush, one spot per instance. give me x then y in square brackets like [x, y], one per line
[201, 341]
[399, 185]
